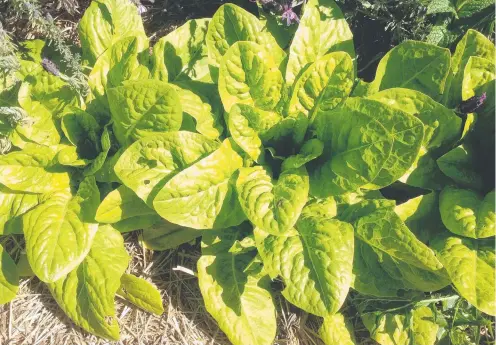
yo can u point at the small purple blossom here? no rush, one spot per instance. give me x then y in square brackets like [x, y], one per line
[50, 67]
[472, 104]
[289, 15]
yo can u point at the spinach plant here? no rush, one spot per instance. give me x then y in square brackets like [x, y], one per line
[283, 163]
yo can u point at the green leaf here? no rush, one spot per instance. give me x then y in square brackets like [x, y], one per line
[31, 170]
[78, 125]
[467, 8]
[236, 292]
[421, 215]
[314, 260]
[104, 23]
[442, 127]
[470, 265]
[141, 293]
[458, 164]
[441, 6]
[23, 267]
[203, 106]
[143, 108]
[146, 165]
[472, 43]
[249, 74]
[384, 230]
[323, 85]
[362, 149]
[203, 195]
[87, 293]
[99, 161]
[231, 24]
[136, 223]
[250, 127]
[182, 54]
[417, 326]
[336, 330]
[165, 235]
[60, 230]
[466, 213]
[121, 204]
[320, 208]
[311, 150]
[122, 61]
[414, 65]
[12, 206]
[9, 277]
[272, 206]
[322, 29]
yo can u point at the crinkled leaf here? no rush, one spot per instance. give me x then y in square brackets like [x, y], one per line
[470, 265]
[59, 232]
[12, 206]
[414, 65]
[467, 213]
[323, 85]
[143, 108]
[231, 24]
[31, 170]
[182, 54]
[314, 260]
[417, 326]
[273, 206]
[336, 330]
[249, 74]
[78, 126]
[9, 277]
[322, 29]
[87, 293]
[104, 23]
[146, 165]
[141, 293]
[121, 204]
[236, 293]
[203, 196]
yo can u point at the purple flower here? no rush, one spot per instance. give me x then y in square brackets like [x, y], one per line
[50, 67]
[289, 15]
[472, 104]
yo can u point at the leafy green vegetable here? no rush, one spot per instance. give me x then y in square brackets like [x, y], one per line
[87, 293]
[335, 330]
[9, 277]
[141, 293]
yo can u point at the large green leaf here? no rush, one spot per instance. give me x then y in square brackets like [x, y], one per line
[470, 265]
[203, 195]
[467, 213]
[366, 144]
[250, 127]
[472, 43]
[79, 126]
[182, 54]
[323, 86]
[165, 235]
[120, 204]
[314, 260]
[204, 106]
[459, 165]
[235, 291]
[87, 293]
[414, 65]
[104, 23]
[12, 206]
[322, 29]
[141, 293]
[9, 277]
[404, 327]
[31, 170]
[60, 230]
[143, 108]
[146, 165]
[249, 74]
[335, 330]
[272, 206]
[231, 24]
[122, 61]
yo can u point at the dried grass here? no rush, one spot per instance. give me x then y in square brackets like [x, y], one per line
[34, 317]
